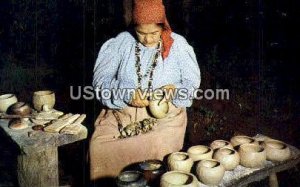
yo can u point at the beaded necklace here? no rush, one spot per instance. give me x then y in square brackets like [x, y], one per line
[152, 67]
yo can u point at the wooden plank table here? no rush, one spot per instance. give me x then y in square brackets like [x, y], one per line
[38, 154]
[242, 176]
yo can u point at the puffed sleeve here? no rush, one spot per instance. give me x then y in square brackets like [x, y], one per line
[189, 72]
[105, 79]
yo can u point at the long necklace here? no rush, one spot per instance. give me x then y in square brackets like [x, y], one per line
[152, 67]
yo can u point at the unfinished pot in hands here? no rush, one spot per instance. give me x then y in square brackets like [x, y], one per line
[180, 161]
[210, 172]
[178, 178]
[276, 150]
[252, 155]
[43, 100]
[239, 140]
[157, 107]
[220, 144]
[6, 100]
[200, 152]
[228, 157]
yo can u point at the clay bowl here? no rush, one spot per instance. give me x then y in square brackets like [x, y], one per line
[20, 108]
[180, 161]
[152, 170]
[252, 155]
[276, 150]
[239, 140]
[220, 144]
[131, 178]
[228, 157]
[210, 172]
[200, 152]
[6, 101]
[178, 178]
[43, 100]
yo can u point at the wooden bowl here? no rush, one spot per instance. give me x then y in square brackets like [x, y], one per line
[6, 101]
[178, 178]
[200, 152]
[180, 161]
[228, 157]
[43, 100]
[20, 108]
[276, 150]
[210, 171]
[220, 144]
[239, 140]
[252, 155]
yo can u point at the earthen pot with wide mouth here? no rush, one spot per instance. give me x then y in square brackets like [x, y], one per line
[200, 152]
[210, 171]
[6, 100]
[252, 155]
[220, 144]
[239, 140]
[228, 157]
[178, 178]
[276, 150]
[20, 108]
[43, 100]
[131, 178]
[180, 161]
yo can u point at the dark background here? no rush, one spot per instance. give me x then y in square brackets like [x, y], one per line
[248, 47]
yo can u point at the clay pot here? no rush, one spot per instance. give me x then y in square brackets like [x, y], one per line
[210, 172]
[220, 143]
[152, 170]
[252, 155]
[131, 178]
[276, 150]
[180, 161]
[43, 100]
[200, 152]
[228, 157]
[157, 108]
[20, 108]
[239, 140]
[6, 101]
[178, 178]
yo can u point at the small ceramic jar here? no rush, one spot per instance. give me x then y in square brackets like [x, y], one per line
[200, 152]
[180, 161]
[210, 172]
[6, 101]
[20, 108]
[131, 178]
[178, 178]
[228, 157]
[276, 150]
[252, 155]
[152, 170]
[239, 140]
[220, 144]
[43, 100]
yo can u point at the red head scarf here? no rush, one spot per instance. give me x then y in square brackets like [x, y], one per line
[153, 11]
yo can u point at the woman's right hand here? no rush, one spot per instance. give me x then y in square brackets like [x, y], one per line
[140, 98]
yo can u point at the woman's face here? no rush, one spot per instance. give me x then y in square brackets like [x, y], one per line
[148, 34]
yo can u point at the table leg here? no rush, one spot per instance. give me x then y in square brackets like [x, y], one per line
[38, 169]
[273, 181]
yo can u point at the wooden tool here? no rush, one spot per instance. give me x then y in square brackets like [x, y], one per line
[75, 127]
[61, 123]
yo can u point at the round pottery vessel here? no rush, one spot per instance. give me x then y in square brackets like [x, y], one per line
[43, 100]
[6, 101]
[131, 178]
[157, 108]
[228, 157]
[152, 170]
[210, 172]
[200, 152]
[220, 144]
[178, 178]
[180, 161]
[276, 150]
[20, 108]
[252, 155]
[239, 140]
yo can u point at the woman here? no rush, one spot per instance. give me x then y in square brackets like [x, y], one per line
[150, 57]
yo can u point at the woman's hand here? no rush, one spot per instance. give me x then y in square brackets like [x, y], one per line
[140, 98]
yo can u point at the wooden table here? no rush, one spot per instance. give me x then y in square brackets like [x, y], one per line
[38, 154]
